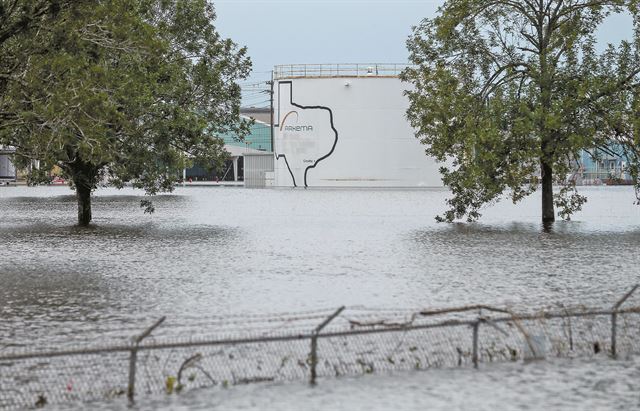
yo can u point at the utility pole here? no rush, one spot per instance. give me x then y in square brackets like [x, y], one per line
[271, 125]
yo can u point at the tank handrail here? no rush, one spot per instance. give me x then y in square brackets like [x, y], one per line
[339, 70]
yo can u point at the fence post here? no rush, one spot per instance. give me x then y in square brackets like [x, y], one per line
[614, 320]
[132, 373]
[131, 387]
[474, 357]
[313, 355]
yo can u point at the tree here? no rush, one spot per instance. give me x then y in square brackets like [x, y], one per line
[20, 19]
[124, 91]
[509, 92]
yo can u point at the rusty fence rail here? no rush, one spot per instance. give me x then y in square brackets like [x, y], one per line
[170, 358]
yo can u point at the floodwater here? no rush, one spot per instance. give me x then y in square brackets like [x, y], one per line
[209, 251]
[559, 385]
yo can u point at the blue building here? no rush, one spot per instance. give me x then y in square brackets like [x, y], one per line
[259, 138]
[605, 165]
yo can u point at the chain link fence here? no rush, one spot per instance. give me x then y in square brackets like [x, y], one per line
[169, 358]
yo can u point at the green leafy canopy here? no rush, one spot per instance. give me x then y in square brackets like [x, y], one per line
[507, 93]
[119, 91]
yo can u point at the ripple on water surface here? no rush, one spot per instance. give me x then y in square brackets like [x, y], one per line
[221, 250]
[562, 385]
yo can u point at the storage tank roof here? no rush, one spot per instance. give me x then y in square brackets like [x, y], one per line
[285, 71]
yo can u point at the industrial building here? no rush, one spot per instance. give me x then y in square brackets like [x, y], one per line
[344, 125]
[257, 142]
[604, 165]
[338, 125]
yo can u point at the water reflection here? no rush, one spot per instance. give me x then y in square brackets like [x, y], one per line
[522, 263]
[58, 278]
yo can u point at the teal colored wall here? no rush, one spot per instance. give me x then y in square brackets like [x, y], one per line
[258, 139]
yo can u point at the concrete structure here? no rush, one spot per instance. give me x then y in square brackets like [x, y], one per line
[345, 126]
[7, 169]
[258, 170]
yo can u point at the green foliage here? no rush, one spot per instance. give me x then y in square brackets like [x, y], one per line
[504, 89]
[170, 384]
[121, 91]
[18, 21]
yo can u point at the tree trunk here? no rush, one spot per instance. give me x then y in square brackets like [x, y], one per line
[83, 194]
[548, 213]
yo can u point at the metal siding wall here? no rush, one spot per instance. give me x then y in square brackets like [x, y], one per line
[7, 170]
[255, 168]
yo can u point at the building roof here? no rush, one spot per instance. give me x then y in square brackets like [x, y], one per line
[261, 114]
[258, 139]
[237, 151]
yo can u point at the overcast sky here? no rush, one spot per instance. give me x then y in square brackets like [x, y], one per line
[336, 31]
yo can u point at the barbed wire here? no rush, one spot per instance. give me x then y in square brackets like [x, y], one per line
[224, 350]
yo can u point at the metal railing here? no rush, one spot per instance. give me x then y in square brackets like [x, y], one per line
[337, 70]
[612, 176]
[348, 341]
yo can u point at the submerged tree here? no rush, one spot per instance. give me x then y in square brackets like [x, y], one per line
[123, 91]
[510, 92]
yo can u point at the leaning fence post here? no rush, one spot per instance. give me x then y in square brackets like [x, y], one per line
[313, 355]
[474, 355]
[614, 320]
[131, 387]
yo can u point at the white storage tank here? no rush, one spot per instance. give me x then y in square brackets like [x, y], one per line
[345, 126]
